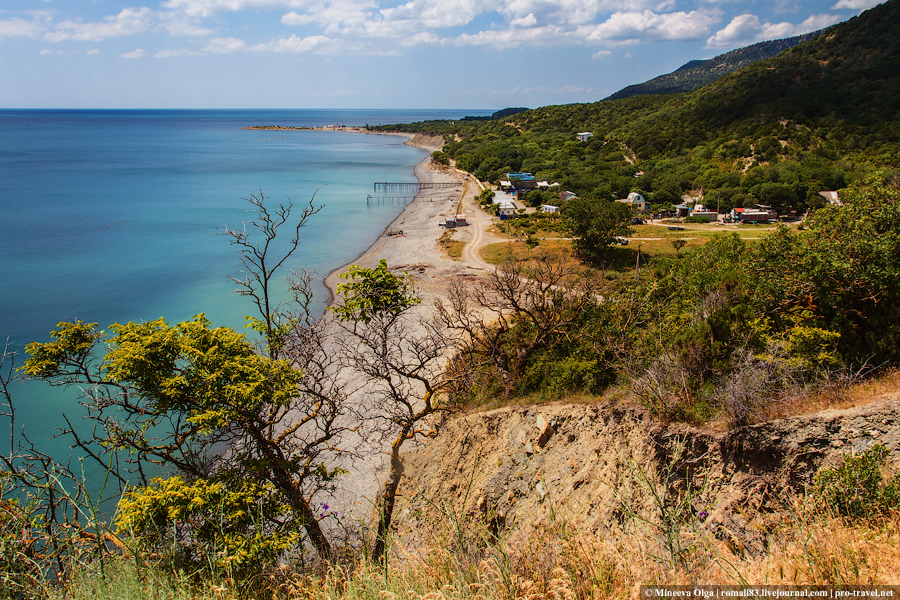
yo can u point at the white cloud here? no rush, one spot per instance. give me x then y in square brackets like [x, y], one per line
[856, 4]
[601, 54]
[208, 8]
[225, 45]
[297, 45]
[293, 19]
[179, 52]
[181, 25]
[748, 29]
[425, 38]
[512, 38]
[20, 28]
[649, 26]
[93, 51]
[128, 22]
[529, 21]
[133, 54]
[437, 13]
[577, 12]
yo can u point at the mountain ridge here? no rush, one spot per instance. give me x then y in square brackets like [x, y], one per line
[698, 73]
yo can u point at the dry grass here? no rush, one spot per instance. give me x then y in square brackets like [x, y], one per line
[839, 392]
[555, 558]
[495, 254]
[451, 247]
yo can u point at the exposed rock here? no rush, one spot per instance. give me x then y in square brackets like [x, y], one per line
[597, 462]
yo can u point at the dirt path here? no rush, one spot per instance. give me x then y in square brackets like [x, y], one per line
[479, 223]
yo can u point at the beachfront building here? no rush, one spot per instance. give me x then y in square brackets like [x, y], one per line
[521, 181]
[752, 215]
[700, 211]
[506, 205]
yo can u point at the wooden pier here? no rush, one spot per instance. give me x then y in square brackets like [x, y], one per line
[415, 187]
[389, 199]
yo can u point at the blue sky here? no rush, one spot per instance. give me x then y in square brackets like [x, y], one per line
[485, 54]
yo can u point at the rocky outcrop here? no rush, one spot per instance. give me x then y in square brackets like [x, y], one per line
[603, 463]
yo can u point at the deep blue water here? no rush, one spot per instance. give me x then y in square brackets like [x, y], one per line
[112, 216]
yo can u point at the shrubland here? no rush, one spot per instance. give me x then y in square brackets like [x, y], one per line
[728, 333]
[221, 447]
[728, 328]
[817, 117]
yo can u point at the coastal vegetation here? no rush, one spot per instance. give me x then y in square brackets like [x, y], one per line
[817, 117]
[221, 447]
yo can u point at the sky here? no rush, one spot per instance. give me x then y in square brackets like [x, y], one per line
[476, 54]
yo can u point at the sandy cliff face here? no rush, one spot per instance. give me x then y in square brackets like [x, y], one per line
[602, 464]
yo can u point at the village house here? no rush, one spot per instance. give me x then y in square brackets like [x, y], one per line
[753, 215]
[584, 136]
[831, 198]
[700, 211]
[506, 205]
[636, 201]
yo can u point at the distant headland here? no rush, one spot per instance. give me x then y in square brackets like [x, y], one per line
[321, 128]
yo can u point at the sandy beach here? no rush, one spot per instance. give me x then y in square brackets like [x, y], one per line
[409, 243]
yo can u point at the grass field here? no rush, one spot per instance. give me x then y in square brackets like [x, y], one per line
[651, 240]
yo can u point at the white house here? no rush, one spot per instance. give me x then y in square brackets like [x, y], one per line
[831, 198]
[584, 136]
[506, 206]
[549, 208]
[700, 211]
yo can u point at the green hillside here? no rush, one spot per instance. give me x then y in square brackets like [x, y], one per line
[698, 73]
[817, 117]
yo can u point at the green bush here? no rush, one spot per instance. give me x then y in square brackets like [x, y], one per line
[857, 488]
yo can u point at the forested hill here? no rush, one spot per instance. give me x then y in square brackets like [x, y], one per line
[816, 117]
[698, 73]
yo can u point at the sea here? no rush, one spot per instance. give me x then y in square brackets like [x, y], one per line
[115, 216]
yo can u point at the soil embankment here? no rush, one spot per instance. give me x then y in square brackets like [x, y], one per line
[597, 463]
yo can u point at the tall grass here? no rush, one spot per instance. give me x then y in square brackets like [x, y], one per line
[552, 556]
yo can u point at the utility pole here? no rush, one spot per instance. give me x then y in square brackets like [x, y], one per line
[637, 264]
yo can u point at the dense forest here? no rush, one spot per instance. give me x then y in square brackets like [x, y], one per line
[817, 117]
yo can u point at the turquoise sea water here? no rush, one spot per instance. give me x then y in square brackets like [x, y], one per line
[111, 216]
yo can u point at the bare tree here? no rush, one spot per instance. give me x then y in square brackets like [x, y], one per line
[520, 308]
[261, 265]
[404, 358]
[7, 376]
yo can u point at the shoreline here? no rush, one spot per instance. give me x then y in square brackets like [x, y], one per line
[410, 243]
[382, 244]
